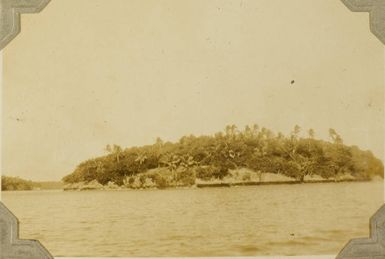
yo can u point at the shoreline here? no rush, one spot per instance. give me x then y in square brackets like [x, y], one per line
[201, 185]
[219, 185]
[211, 185]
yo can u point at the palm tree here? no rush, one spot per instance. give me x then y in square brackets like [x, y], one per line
[234, 130]
[311, 133]
[248, 132]
[336, 138]
[115, 149]
[108, 148]
[159, 142]
[228, 130]
[255, 129]
[296, 131]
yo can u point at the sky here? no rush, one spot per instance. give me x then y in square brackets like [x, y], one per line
[86, 73]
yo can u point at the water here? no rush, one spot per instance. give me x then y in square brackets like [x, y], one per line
[240, 221]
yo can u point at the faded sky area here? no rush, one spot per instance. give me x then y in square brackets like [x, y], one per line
[87, 73]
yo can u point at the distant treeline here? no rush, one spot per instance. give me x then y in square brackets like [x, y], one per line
[18, 184]
[211, 157]
[15, 184]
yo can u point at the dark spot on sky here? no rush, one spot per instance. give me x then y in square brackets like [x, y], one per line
[292, 82]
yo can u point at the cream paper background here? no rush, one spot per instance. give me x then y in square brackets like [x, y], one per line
[362, 15]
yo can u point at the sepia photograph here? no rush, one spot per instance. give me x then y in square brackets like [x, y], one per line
[193, 127]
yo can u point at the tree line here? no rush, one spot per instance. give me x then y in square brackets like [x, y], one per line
[213, 156]
[259, 149]
[15, 184]
[9, 183]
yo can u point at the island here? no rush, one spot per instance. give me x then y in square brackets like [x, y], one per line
[233, 157]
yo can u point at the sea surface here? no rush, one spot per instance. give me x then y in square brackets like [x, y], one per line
[300, 219]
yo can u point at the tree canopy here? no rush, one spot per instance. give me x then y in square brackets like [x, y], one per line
[258, 149]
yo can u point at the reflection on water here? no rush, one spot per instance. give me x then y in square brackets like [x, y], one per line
[255, 220]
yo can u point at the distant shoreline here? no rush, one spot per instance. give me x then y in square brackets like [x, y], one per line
[10, 183]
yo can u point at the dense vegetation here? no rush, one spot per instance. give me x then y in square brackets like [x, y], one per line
[213, 157]
[18, 184]
[15, 184]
